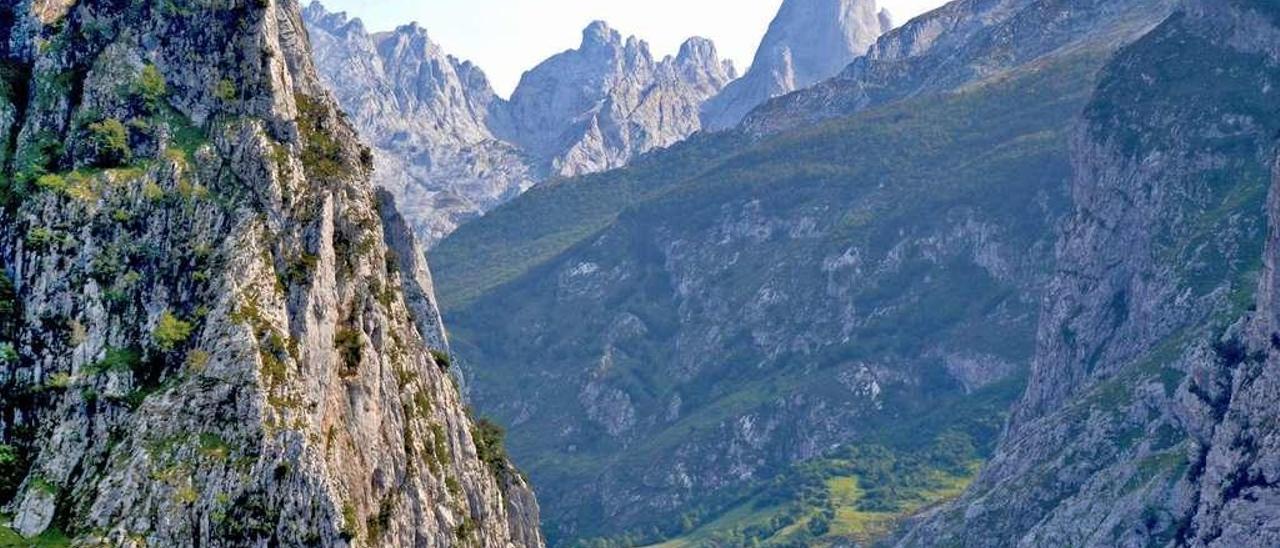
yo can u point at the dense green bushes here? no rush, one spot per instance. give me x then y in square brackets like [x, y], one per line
[13, 469]
[107, 144]
[151, 88]
[8, 300]
[442, 358]
[490, 444]
[170, 332]
[348, 343]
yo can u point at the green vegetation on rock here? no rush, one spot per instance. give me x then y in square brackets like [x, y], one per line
[321, 154]
[108, 143]
[171, 332]
[52, 538]
[442, 358]
[151, 87]
[490, 445]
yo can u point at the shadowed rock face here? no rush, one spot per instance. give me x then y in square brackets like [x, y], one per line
[1150, 416]
[807, 42]
[212, 330]
[450, 149]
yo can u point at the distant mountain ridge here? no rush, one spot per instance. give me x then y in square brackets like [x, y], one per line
[428, 117]
[451, 149]
[961, 42]
[595, 107]
[809, 41]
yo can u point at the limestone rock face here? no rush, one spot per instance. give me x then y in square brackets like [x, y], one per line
[212, 331]
[960, 43]
[1150, 415]
[449, 149]
[595, 107]
[429, 118]
[809, 41]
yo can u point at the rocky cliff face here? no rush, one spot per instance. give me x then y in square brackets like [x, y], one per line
[595, 107]
[429, 118]
[962, 42]
[809, 41]
[450, 149]
[212, 331]
[1150, 416]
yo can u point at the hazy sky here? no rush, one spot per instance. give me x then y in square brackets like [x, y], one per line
[508, 37]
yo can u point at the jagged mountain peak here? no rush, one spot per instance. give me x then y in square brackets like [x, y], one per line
[316, 13]
[599, 33]
[594, 107]
[451, 149]
[702, 52]
[429, 117]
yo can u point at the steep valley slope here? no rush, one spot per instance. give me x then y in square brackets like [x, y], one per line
[213, 330]
[1150, 417]
[748, 307]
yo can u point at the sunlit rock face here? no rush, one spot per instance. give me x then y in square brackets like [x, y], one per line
[214, 331]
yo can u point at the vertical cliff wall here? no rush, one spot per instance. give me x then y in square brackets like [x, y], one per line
[1150, 415]
[213, 331]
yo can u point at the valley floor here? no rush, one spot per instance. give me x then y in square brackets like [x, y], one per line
[834, 506]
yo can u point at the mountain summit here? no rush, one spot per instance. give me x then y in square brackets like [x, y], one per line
[808, 41]
[595, 107]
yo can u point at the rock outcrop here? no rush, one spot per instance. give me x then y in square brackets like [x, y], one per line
[596, 107]
[212, 331]
[1150, 415]
[807, 42]
[450, 149]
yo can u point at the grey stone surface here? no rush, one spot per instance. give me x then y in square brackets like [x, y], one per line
[302, 407]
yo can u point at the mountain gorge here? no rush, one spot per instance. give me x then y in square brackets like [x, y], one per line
[1003, 276]
[749, 306]
[214, 331]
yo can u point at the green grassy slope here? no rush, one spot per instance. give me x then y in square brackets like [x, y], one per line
[49, 539]
[552, 217]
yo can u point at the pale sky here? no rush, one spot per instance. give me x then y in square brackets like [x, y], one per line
[507, 37]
